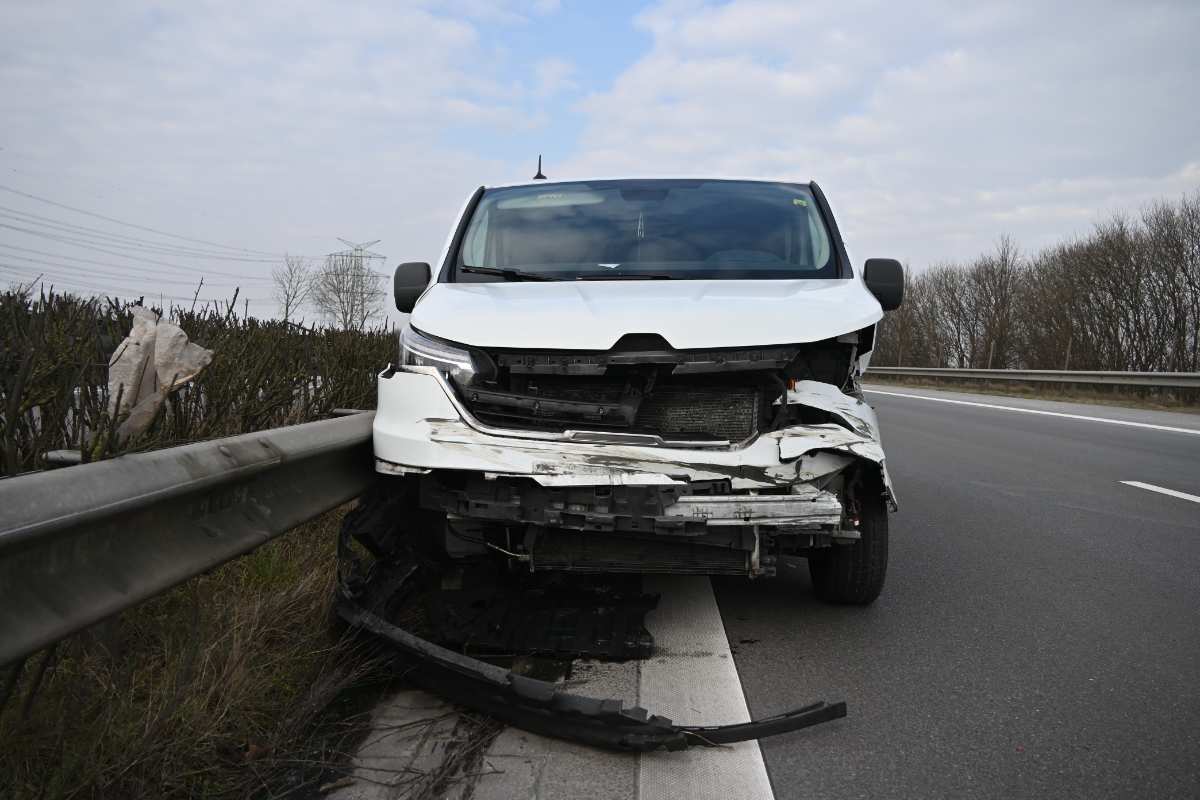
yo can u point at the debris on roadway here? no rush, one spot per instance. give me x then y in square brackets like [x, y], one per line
[387, 585]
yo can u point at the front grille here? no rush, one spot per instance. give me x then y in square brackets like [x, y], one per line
[697, 410]
[639, 386]
[722, 412]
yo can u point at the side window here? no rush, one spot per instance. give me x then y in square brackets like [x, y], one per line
[820, 242]
[474, 249]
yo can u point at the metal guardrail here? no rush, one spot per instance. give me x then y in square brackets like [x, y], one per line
[1165, 380]
[85, 542]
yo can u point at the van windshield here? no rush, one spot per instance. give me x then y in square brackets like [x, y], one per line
[630, 229]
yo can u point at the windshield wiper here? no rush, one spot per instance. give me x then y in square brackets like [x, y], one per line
[507, 273]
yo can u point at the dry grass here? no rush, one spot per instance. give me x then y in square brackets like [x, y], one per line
[233, 685]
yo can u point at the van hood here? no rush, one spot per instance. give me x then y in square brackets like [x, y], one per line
[593, 315]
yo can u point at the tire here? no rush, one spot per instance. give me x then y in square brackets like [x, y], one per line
[854, 574]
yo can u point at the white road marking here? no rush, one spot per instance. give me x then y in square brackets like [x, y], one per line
[1150, 487]
[692, 680]
[1127, 423]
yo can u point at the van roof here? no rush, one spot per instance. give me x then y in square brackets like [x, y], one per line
[648, 178]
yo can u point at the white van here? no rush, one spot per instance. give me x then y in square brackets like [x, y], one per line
[644, 375]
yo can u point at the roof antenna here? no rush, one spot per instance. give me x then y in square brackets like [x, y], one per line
[539, 176]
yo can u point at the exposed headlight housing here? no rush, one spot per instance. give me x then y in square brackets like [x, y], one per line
[418, 350]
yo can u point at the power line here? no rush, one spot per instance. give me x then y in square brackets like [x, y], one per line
[358, 257]
[135, 226]
[113, 291]
[75, 280]
[91, 240]
[88, 272]
[133, 268]
[121, 239]
[68, 240]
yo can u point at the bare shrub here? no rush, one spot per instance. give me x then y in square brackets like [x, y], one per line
[54, 352]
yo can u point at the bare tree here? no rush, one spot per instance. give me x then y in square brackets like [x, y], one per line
[293, 285]
[347, 292]
[1125, 296]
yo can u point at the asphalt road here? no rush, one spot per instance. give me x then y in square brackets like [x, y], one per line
[1039, 634]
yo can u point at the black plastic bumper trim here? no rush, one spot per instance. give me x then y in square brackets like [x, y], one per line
[542, 707]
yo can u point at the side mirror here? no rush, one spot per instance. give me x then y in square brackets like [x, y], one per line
[885, 278]
[411, 279]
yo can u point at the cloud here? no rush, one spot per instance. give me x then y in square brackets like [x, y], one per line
[276, 125]
[933, 126]
[909, 115]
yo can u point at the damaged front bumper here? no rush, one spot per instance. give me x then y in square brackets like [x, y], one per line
[589, 501]
[560, 491]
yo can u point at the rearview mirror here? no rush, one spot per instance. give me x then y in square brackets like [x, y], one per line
[885, 278]
[411, 279]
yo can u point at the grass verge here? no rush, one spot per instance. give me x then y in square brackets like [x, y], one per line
[235, 684]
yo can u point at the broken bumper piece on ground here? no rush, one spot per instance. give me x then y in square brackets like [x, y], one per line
[535, 705]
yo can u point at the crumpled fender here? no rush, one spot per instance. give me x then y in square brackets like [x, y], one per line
[861, 440]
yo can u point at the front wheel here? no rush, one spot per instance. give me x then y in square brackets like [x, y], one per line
[853, 574]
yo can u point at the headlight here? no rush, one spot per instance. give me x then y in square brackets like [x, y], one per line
[421, 351]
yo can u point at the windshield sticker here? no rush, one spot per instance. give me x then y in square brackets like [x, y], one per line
[552, 200]
[799, 201]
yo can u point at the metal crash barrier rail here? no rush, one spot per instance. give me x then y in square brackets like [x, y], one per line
[85, 542]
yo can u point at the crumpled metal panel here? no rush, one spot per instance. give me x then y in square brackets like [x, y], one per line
[812, 510]
[419, 426]
[688, 509]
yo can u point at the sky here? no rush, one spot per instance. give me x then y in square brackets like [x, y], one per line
[146, 144]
